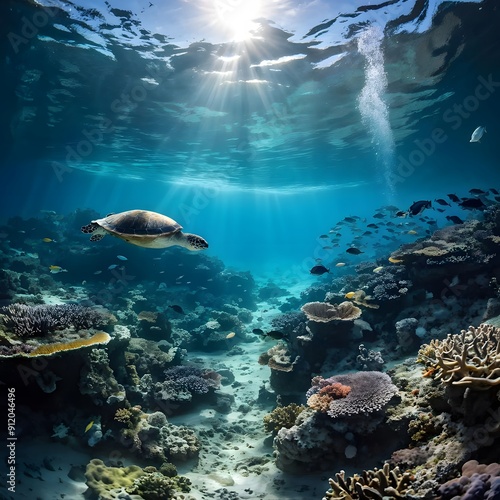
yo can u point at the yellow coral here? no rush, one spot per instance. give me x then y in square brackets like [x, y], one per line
[282, 416]
[49, 349]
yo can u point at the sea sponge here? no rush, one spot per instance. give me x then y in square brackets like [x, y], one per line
[49, 349]
[102, 480]
[323, 312]
[156, 486]
[282, 416]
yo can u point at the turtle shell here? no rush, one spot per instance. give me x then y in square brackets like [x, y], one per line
[139, 223]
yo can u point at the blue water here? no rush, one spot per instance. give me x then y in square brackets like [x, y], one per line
[257, 125]
[261, 143]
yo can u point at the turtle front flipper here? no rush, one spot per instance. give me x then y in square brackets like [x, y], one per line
[97, 237]
[89, 228]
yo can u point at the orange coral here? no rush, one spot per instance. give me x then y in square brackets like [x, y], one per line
[48, 349]
[335, 390]
[319, 402]
[322, 399]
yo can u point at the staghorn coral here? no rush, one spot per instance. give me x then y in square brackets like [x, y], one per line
[323, 312]
[370, 392]
[377, 484]
[470, 358]
[282, 416]
[50, 349]
[39, 320]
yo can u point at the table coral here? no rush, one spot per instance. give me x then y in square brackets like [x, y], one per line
[370, 392]
[470, 358]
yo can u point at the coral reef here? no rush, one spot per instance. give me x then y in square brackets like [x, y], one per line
[370, 392]
[477, 481]
[25, 320]
[50, 349]
[377, 483]
[98, 380]
[282, 416]
[182, 382]
[369, 360]
[470, 358]
[323, 312]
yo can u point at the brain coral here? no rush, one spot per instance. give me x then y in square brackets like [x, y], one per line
[370, 392]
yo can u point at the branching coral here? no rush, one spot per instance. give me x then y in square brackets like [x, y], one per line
[42, 319]
[282, 416]
[372, 484]
[370, 392]
[182, 381]
[323, 312]
[470, 358]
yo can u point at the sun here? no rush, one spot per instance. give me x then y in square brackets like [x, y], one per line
[238, 17]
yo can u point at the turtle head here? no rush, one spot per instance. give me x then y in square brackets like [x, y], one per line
[195, 242]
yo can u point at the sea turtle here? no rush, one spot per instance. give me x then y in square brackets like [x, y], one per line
[145, 229]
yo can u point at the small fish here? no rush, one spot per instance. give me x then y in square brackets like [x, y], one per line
[476, 191]
[112, 266]
[350, 295]
[230, 335]
[275, 334]
[351, 220]
[401, 213]
[478, 134]
[441, 201]
[472, 203]
[379, 216]
[494, 191]
[177, 309]
[57, 269]
[419, 206]
[180, 277]
[98, 272]
[319, 270]
[378, 269]
[440, 210]
[454, 219]
[84, 282]
[48, 240]
[394, 260]
[89, 426]
[372, 226]
[412, 231]
[354, 251]
[340, 264]
[121, 257]
[258, 331]
[453, 197]
[327, 248]
[323, 236]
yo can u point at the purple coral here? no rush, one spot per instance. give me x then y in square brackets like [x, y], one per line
[191, 379]
[42, 319]
[370, 392]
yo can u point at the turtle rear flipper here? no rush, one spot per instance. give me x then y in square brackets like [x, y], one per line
[97, 237]
[89, 228]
